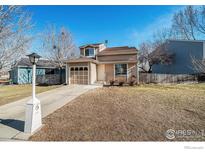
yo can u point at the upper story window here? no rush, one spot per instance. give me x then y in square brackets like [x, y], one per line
[89, 52]
[120, 69]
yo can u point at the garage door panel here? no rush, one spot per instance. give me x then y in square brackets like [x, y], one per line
[81, 82]
[80, 72]
[85, 72]
[79, 75]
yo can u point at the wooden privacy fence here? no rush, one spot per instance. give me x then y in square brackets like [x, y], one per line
[166, 78]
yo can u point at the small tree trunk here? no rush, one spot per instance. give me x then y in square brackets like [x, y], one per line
[150, 70]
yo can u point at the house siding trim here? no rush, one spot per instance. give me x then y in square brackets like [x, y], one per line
[117, 62]
[100, 72]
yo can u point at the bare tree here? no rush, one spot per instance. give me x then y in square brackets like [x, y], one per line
[58, 46]
[145, 49]
[200, 19]
[14, 39]
[155, 51]
[185, 23]
[161, 36]
[149, 56]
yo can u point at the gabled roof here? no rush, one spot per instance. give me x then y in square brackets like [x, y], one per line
[118, 51]
[110, 55]
[81, 59]
[91, 45]
[41, 63]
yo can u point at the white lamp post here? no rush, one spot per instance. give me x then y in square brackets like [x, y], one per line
[33, 119]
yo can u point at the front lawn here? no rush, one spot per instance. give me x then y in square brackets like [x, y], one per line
[10, 93]
[141, 113]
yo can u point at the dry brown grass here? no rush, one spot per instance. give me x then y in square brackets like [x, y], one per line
[128, 114]
[10, 93]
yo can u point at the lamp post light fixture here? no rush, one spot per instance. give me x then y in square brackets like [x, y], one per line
[33, 119]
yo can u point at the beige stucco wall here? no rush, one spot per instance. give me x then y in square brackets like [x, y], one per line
[101, 72]
[109, 72]
[93, 73]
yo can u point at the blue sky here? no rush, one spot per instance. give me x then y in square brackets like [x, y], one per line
[120, 25]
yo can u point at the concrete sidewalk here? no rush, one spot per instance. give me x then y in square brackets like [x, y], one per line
[12, 115]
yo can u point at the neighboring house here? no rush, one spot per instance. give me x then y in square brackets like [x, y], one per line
[99, 63]
[21, 72]
[183, 50]
[4, 75]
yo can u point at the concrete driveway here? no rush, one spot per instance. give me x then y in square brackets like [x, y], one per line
[12, 115]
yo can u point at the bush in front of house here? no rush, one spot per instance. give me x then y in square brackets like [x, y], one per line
[131, 83]
[121, 83]
[132, 80]
[112, 82]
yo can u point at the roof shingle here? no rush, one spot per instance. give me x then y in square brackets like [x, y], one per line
[40, 63]
[81, 59]
[118, 51]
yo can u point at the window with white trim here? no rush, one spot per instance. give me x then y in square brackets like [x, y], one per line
[89, 52]
[120, 69]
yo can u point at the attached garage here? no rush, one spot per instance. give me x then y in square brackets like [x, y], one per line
[81, 71]
[79, 75]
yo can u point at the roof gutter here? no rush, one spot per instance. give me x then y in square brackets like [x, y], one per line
[114, 62]
[114, 54]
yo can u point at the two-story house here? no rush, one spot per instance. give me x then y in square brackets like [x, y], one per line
[100, 63]
[184, 51]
